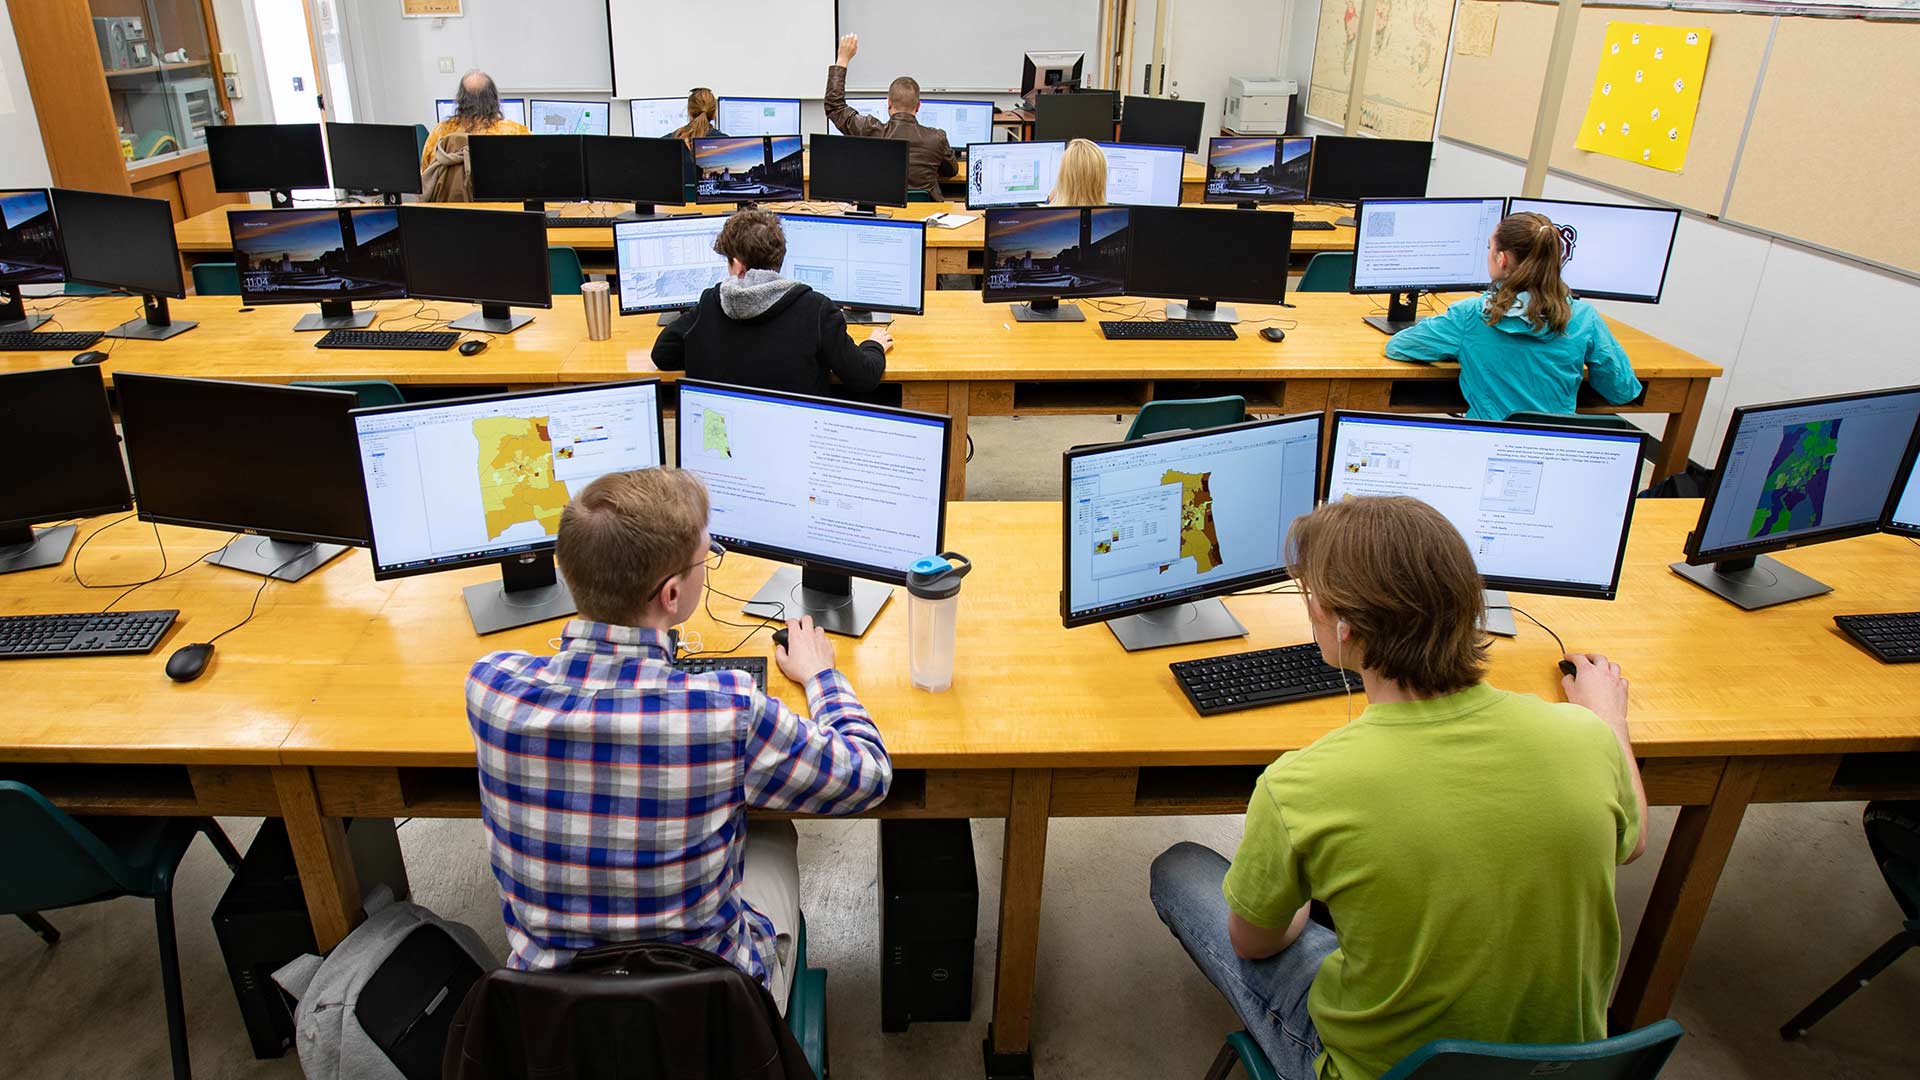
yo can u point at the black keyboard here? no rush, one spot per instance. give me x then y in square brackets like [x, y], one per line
[1248, 680]
[1311, 225]
[430, 340]
[108, 633]
[48, 341]
[755, 666]
[1893, 638]
[569, 221]
[1169, 330]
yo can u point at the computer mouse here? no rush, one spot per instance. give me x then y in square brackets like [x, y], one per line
[91, 356]
[474, 347]
[188, 661]
[1567, 668]
[780, 638]
[1274, 334]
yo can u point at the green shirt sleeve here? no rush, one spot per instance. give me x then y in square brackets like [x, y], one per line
[1629, 813]
[1266, 883]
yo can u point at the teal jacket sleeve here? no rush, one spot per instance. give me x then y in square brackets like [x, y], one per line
[1438, 338]
[1608, 370]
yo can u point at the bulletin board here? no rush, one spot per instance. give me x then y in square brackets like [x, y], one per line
[1491, 100]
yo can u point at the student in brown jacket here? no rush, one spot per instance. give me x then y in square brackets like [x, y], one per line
[929, 157]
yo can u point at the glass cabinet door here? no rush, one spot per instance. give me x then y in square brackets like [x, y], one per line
[161, 77]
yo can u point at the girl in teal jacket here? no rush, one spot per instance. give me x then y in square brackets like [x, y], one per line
[1524, 344]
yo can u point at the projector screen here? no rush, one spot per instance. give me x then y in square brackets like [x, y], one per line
[746, 48]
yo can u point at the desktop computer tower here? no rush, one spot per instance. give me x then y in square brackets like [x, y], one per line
[929, 908]
[261, 921]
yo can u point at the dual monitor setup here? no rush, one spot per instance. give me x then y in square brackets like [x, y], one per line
[119, 242]
[280, 159]
[1248, 171]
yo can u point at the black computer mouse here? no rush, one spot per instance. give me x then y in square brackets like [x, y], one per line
[91, 356]
[1567, 668]
[780, 638]
[469, 348]
[1274, 333]
[188, 661]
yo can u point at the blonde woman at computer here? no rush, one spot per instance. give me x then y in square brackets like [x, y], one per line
[1525, 344]
[1083, 176]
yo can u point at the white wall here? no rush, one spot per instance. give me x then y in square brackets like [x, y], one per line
[24, 158]
[1212, 39]
[240, 36]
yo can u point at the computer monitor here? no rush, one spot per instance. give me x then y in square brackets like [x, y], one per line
[1044, 254]
[1405, 247]
[851, 494]
[57, 426]
[332, 256]
[1162, 122]
[547, 116]
[1610, 252]
[383, 158]
[1012, 173]
[759, 116]
[760, 168]
[657, 118]
[1903, 510]
[1157, 529]
[272, 461]
[530, 170]
[451, 484]
[965, 122]
[863, 171]
[645, 172]
[1143, 175]
[1249, 171]
[1793, 473]
[494, 258]
[1087, 114]
[1197, 256]
[1050, 72]
[868, 266]
[30, 254]
[125, 242]
[511, 108]
[666, 263]
[275, 158]
[1348, 168]
[1544, 508]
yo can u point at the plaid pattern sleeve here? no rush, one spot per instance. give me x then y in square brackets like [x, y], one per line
[833, 763]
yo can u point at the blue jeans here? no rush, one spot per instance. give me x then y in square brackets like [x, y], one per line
[1270, 995]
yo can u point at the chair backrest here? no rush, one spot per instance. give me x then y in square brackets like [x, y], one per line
[919, 195]
[368, 393]
[563, 271]
[51, 859]
[1637, 1055]
[420, 135]
[1329, 271]
[216, 279]
[1187, 415]
[1598, 421]
[1893, 831]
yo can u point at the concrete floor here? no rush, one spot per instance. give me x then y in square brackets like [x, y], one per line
[1799, 904]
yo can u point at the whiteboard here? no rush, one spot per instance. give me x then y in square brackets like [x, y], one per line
[978, 50]
[555, 45]
[743, 48]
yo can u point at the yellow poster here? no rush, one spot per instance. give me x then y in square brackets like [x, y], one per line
[1646, 94]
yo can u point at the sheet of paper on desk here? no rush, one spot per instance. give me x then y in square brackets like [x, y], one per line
[951, 221]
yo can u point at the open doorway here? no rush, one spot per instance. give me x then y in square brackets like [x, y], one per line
[304, 60]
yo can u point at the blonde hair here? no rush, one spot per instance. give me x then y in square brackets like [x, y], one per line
[1534, 243]
[1401, 578]
[1083, 176]
[702, 110]
[626, 534]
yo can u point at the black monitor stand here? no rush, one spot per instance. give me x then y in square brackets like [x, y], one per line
[280, 198]
[1246, 205]
[839, 603]
[335, 315]
[1198, 310]
[155, 325]
[1753, 582]
[13, 311]
[1047, 310]
[282, 560]
[864, 209]
[529, 591]
[861, 317]
[538, 206]
[23, 548]
[644, 212]
[390, 198]
[491, 319]
[1182, 624]
[1403, 310]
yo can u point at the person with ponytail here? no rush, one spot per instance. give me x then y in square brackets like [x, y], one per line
[1525, 344]
[703, 109]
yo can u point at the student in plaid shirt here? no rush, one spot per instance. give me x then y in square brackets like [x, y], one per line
[614, 789]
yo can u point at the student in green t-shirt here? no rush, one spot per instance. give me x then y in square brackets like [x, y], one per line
[1462, 838]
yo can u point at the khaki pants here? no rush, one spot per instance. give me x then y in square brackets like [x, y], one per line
[770, 881]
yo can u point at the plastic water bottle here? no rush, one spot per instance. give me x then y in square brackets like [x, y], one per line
[933, 605]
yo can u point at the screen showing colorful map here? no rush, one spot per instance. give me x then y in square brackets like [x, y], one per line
[1796, 487]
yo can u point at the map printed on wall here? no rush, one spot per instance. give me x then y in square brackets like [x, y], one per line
[1646, 93]
[1408, 54]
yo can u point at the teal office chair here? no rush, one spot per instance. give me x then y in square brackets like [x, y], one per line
[216, 279]
[564, 274]
[1600, 421]
[1190, 415]
[807, 1006]
[74, 288]
[56, 860]
[1637, 1055]
[420, 134]
[368, 393]
[1329, 271]
[915, 195]
[1893, 833]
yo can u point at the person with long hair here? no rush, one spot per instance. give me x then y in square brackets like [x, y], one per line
[703, 112]
[1525, 344]
[476, 111]
[1083, 176]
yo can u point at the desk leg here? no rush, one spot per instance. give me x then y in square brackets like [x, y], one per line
[1008, 1051]
[1677, 440]
[952, 399]
[932, 275]
[320, 853]
[1702, 839]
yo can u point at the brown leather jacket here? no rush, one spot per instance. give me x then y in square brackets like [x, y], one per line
[928, 158]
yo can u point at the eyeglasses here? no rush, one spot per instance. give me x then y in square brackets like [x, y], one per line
[716, 554]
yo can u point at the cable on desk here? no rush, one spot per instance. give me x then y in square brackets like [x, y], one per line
[255, 606]
[1561, 645]
[706, 601]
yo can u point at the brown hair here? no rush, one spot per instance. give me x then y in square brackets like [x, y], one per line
[1534, 243]
[754, 237]
[903, 95]
[702, 110]
[1404, 582]
[1083, 176]
[477, 102]
[626, 534]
